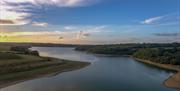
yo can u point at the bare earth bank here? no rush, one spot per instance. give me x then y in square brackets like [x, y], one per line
[174, 80]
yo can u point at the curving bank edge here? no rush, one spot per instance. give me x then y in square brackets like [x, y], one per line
[174, 80]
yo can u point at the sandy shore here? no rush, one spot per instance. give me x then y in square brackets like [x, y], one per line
[174, 80]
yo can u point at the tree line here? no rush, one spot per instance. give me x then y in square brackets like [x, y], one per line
[161, 53]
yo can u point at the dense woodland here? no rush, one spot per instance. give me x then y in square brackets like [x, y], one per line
[160, 53]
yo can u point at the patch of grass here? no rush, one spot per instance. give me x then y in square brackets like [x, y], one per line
[4, 56]
[65, 66]
[29, 67]
[4, 48]
[25, 63]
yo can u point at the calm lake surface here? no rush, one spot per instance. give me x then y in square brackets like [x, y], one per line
[104, 74]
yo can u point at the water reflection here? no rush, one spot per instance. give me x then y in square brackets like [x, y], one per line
[66, 53]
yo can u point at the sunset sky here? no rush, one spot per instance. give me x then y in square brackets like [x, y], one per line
[90, 21]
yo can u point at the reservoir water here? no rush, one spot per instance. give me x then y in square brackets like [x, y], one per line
[104, 74]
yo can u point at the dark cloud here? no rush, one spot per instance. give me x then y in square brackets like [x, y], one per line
[61, 38]
[86, 34]
[167, 34]
[2, 21]
[82, 34]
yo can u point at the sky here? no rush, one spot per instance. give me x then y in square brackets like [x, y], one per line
[90, 21]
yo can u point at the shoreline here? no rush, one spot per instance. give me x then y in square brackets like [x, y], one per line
[44, 72]
[172, 81]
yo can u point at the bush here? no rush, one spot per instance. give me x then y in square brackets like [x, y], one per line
[23, 49]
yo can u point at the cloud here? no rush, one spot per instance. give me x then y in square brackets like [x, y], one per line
[167, 34]
[86, 31]
[61, 38]
[39, 33]
[152, 20]
[17, 11]
[86, 34]
[78, 34]
[40, 24]
[8, 13]
[62, 3]
[81, 35]
[6, 21]
[70, 28]
[13, 18]
[86, 28]
[172, 18]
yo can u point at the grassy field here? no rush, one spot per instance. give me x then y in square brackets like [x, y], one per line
[4, 48]
[6, 56]
[16, 67]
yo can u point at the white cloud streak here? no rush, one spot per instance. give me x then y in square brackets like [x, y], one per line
[60, 3]
[163, 20]
[152, 20]
[40, 24]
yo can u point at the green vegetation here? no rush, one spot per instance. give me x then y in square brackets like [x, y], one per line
[160, 53]
[5, 56]
[24, 50]
[4, 48]
[107, 49]
[28, 67]
[25, 63]
[18, 63]
[32, 66]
